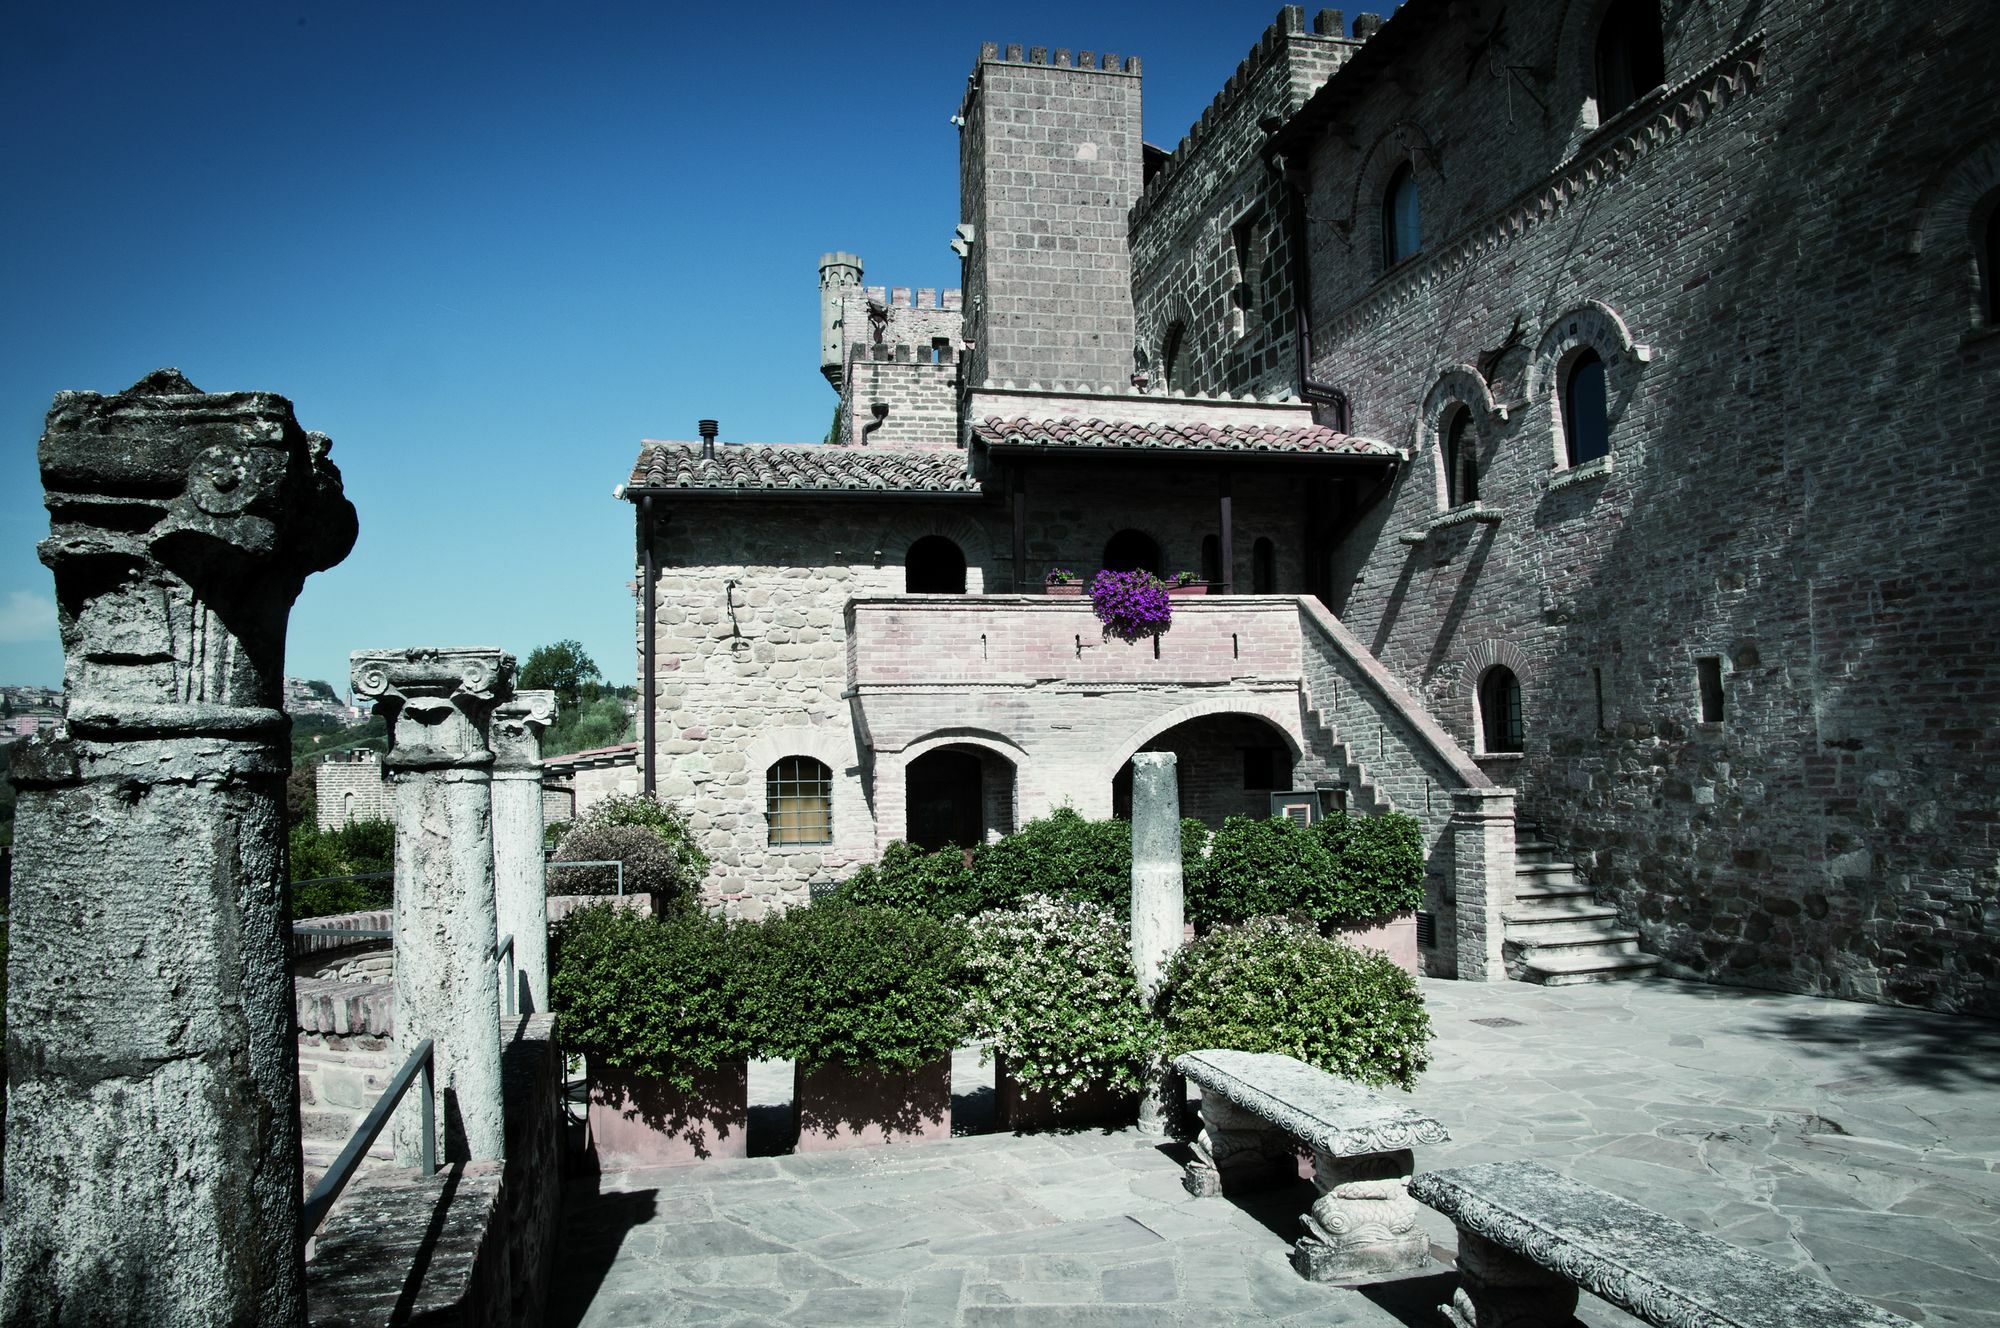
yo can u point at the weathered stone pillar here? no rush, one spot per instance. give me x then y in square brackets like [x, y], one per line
[1158, 909]
[1482, 858]
[520, 888]
[439, 706]
[152, 1166]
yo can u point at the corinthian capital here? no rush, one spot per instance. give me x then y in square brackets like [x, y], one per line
[436, 700]
[517, 729]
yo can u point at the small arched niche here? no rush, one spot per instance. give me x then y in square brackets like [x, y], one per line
[934, 566]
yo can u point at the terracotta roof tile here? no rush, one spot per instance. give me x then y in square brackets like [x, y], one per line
[780, 467]
[1112, 435]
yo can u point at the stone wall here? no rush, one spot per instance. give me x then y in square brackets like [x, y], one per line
[1773, 257]
[1211, 253]
[347, 1055]
[350, 788]
[915, 386]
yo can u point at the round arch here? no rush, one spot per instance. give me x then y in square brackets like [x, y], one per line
[972, 539]
[1271, 712]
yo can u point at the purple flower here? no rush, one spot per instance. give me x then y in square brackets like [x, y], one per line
[1131, 604]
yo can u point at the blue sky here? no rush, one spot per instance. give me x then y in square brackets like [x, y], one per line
[487, 249]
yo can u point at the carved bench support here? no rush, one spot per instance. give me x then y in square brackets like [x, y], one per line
[1499, 1289]
[1364, 1224]
[1237, 1150]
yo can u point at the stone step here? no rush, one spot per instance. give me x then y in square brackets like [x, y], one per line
[1535, 850]
[1563, 970]
[1542, 892]
[1538, 919]
[1597, 941]
[1548, 873]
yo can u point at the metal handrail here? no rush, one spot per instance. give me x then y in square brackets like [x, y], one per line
[359, 876]
[598, 862]
[418, 1066]
[358, 933]
[505, 950]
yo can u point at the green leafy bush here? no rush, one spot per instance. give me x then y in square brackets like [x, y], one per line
[658, 997]
[1259, 867]
[1052, 990]
[858, 985]
[1279, 986]
[1378, 865]
[649, 836]
[1060, 854]
[938, 883]
[356, 849]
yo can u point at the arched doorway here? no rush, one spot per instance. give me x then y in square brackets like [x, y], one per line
[958, 795]
[1229, 765]
[1132, 551]
[934, 566]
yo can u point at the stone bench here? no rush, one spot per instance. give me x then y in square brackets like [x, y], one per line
[1529, 1237]
[1256, 1107]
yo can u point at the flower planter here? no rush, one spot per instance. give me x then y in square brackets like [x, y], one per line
[1073, 589]
[640, 1121]
[1395, 936]
[855, 1106]
[1197, 588]
[1017, 1107]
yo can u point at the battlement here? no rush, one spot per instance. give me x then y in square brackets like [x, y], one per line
[925, 297]
[937, 351]
[1329, 28]
[1087, 61]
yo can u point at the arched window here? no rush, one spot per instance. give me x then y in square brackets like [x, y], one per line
[798, 801]
[1400, 235]
[1170, 359]
[1211, 560]
[1461, 458]
[1263, 567]
[1132, 551]
[1500, 710]
[934, 566]
[1586, 410]
[1631, 58]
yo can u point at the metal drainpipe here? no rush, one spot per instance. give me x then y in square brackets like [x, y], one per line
[880, 410]
[1318, 394]
[647, 584]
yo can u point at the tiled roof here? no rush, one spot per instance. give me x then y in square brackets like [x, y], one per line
[1307, 439]
[779, 467]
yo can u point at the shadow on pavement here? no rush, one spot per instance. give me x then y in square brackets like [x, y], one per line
[594, 1226]
[1911, 1049]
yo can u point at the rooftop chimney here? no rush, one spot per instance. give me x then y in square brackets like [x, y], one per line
[708, 430]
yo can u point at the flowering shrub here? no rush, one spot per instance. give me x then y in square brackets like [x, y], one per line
[1131, 604]
[650, 837]
[1053, 991]
[1278, 986]
[1185, 578]
[1060, 576]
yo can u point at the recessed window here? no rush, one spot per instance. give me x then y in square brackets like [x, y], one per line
[1989, 260]
[1631, 58]
[1170, 359]
[1263, 567]
[1243, 245]
[798, 801]
[1132, 551]
[1500, 710]
[934, 566]
[1400, 234]
[1211, 560]
[1586, 410]
[1708, 673]
[1461, 458]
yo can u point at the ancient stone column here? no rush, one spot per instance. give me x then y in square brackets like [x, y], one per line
[152, 1165]
[1482, 866]
[439, 704]
[1158, 909]
[520, 889]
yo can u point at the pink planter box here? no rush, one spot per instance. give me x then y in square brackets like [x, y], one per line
[1020, 1108]
[1073, 589]
[1396, 937]
[644, 1122]
[843, 1106]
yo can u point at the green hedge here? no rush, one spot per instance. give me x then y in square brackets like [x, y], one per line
[655, 997]
[1344, 869]
[937, 883]
[354, 849]
[1273, 985]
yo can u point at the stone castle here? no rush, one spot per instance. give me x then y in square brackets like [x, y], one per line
[1571, 413]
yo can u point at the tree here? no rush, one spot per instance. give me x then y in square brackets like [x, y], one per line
[563, 668]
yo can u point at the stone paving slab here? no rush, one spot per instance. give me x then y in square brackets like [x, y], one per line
[1855, 1143]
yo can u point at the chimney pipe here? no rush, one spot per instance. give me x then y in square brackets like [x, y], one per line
[708, 431]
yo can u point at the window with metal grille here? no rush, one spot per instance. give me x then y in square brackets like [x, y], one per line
[798, 801]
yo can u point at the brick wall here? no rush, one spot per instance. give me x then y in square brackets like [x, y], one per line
[918, 386]
[1801, 402]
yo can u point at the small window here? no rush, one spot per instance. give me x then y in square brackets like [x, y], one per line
[1132, 551]
[1263, 567]
[1586, 407]
[798, 801]
[1708, 672]
[1500, 710]
[1243, 237]
[1461, 460]
[1631, 58]
[934, 566]
[1400, 235]
[1170, 359]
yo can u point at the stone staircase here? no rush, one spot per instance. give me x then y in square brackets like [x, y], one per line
[1362, 797]
[1557, 932]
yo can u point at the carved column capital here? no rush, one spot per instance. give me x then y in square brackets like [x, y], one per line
[517, 730]
[436, 700]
